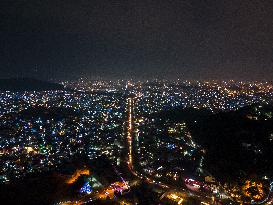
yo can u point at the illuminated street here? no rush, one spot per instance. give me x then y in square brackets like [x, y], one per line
[130, 131]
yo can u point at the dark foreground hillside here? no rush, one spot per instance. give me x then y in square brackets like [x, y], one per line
[238, 144]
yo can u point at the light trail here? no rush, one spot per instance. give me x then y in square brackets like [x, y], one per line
[129, 133]
[130, 150]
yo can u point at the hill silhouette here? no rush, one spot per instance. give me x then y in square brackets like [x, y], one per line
[28, 84]
[237, 143]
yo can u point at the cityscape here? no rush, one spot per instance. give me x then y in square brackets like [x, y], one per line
[106, 140]
[139, 102]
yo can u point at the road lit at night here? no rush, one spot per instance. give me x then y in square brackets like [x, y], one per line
[129, 132]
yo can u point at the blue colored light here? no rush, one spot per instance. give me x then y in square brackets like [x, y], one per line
[86, 188]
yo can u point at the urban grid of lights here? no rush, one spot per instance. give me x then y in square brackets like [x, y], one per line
[89, 119]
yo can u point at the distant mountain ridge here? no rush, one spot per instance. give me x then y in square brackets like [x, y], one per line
[28, 84]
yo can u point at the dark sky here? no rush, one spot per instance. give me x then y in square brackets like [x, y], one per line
[189, 39]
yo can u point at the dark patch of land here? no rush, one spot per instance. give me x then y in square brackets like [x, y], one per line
[178, 114]
[50, 187]
[238, 144]
[28, 84]
[44, 189]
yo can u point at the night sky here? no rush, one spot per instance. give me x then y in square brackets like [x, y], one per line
[186, 39]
